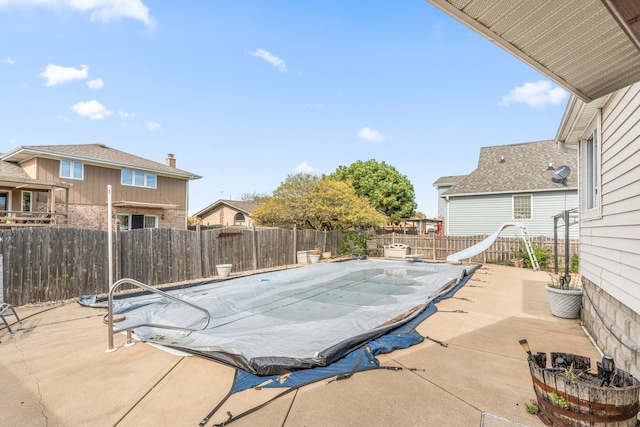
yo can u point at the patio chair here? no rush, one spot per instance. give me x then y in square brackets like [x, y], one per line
[4, 307]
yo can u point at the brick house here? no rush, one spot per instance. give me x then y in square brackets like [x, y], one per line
[67, 185]
[227, 212]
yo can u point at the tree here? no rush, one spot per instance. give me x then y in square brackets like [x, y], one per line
[388, 191]
[310, 202]
[255, 197]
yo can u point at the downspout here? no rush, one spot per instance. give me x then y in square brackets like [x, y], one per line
[446, 219]
[186, 209]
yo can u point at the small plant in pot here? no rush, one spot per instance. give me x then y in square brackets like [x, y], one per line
[565, 299]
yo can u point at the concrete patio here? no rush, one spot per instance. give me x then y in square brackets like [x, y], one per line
[55, 371]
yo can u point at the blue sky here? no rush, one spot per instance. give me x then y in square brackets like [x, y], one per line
[245, 92]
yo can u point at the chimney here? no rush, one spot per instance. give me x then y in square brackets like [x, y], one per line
[171, 161]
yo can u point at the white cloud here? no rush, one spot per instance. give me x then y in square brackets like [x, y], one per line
[271, 59]
[92, 109]
[98, 10]
[125, 115]
[370, 135]
[56, 74]
[95, 84]
[8, 59]
[304, 168]
[535, 94]
[153, 126]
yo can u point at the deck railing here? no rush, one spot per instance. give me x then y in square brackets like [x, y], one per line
[31, 219]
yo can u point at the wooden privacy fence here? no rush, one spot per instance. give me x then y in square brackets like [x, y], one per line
[49, 264]
[435, 248]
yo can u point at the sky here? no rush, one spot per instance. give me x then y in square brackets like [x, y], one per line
[247, 92]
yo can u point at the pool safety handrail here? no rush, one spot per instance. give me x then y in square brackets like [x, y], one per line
[152, 325]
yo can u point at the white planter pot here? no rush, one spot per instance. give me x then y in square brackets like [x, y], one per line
[303, 257]
[565, 303]
[224, 269]
[314, 258]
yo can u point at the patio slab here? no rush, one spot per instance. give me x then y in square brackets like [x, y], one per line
[56, 372]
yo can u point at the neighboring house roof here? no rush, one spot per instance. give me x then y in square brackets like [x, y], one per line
[12, 175]
[591, 47]
[517, 168]
[448, 181]
[98, 154]
[244, 207]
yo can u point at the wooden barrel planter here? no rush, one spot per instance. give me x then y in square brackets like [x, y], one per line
[568, 395]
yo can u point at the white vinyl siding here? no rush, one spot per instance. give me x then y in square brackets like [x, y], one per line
[609, 244]
[479, 215]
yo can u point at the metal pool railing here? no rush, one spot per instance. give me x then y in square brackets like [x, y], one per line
[152, 325]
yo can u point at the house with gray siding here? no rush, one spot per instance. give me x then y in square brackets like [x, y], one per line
[592, 49]
[606, 134]
[512, 183]
[442, 184]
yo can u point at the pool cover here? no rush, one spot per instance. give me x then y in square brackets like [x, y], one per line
[286, 320]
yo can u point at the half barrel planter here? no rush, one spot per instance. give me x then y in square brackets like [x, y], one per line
[589, 403]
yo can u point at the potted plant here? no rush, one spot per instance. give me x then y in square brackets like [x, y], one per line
[567, 394]
[565, 299]
[314, 256]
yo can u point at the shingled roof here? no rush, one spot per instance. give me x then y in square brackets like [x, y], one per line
[517, 168]
[445, 181]
[94, 153]
[245, 207]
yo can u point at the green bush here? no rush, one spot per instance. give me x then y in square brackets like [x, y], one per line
[573, 263]
[543, 256]
[354, 244]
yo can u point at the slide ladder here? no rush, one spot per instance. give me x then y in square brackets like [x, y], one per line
[529, 247]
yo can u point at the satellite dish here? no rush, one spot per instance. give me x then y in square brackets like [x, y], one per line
[560, 174]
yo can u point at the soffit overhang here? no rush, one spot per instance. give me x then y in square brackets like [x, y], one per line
[590, 47]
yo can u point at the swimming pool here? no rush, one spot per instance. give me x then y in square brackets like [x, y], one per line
[291, 319]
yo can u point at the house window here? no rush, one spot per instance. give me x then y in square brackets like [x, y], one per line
[590, 164]
[135, 221]
[138, 179]
[26, 201]
[522, 206]
[72, 170]
[239, 219]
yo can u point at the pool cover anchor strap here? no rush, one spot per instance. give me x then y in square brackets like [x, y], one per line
[444, 344]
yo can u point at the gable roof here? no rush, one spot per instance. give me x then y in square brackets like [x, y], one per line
[98, 154]
[13, 175]
[525, 168]
[590, 47]
[448, 181]
[244, 207]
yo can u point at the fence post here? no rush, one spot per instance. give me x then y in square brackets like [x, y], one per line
[295, 248]
[255, 246]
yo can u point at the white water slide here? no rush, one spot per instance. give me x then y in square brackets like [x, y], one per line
[482, 246]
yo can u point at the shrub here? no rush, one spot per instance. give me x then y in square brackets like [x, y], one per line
[355, 244]
[543, 256]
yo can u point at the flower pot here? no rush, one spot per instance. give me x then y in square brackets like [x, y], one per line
[565, 303]
[224, 269]
[303, 257]
[326, 255]
[517, 262]
[314, 258]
